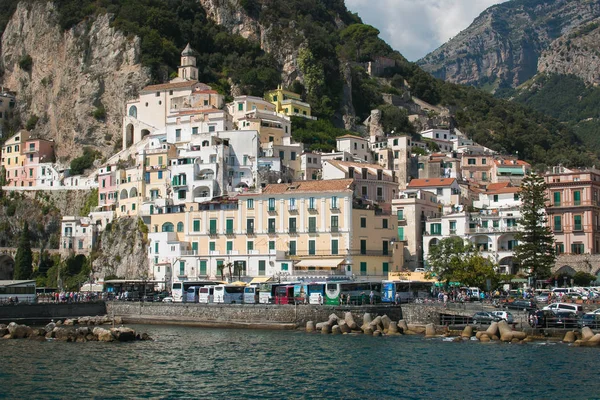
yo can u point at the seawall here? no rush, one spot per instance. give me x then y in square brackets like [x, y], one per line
[267, 316]
[43, 312]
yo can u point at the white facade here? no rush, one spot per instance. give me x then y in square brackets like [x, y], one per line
[184, 127]
[355, 145]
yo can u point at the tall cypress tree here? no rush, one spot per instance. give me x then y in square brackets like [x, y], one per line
[24, 257]
[535, 252]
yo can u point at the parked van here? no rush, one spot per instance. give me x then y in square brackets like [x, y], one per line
[556, 307]
[566, 292]
[206, 294]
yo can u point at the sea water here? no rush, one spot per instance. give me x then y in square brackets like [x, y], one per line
[186, 362]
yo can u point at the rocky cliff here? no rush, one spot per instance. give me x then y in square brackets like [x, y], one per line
[503, 45]
[74, 75]
[122, 250]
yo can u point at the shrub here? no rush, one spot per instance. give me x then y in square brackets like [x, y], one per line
[32, 122]
[100, 113]
[80, 164]
[25, 63]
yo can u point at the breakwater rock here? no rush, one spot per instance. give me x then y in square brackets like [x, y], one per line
[378, 326]
[70, 333]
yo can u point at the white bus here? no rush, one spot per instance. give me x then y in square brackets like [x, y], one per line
[179, 289]
[229, 294]
[250, 295]
[192, 294]
[206, 294]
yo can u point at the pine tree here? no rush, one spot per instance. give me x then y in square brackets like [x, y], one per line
[24, 257]
[535, 252]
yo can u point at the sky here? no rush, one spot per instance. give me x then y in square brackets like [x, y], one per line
[417, 27]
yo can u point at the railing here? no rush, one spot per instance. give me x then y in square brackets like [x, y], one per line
[293, 209]
[250, 231]
[335, 229]
[312, 229]
[189, 252]
[312, 209]
[229, 232]
[271, 230]
[212, 232]
[292, 230]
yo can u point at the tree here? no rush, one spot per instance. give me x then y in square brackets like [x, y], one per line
[238, 267]
[583, 278]
[535, 251]
[24, 257]
[221, 268]
[453, 259]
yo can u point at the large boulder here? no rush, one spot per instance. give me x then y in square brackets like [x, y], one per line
[118, 320]
[349, 318]
[310, 326]
[506, 334]
[17, 331]
[492, 329]
[385, 320]
[402, 326]
[83, 320]
[467, 332]
[344, 328]
[64, 333]
[367, 319]
[50, 327]
[519, 335]
[123, 334]
[103, 335]
[325, 329]
[569, 337]
[393, 329]
[430, 330]
[586, 333]
[3, 330]
[69, 322]
[335, 330]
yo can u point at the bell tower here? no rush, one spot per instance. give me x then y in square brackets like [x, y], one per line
[188, 70]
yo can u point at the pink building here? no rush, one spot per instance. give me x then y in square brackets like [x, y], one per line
[35, 153]
[107, 186]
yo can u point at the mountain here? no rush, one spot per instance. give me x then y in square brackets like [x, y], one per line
[74, 63]
[510, 43]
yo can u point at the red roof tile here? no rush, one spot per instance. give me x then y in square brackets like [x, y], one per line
[333, 185]
[432, 182]
[167, 86]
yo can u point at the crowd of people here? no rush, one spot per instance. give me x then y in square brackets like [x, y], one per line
[69, 297]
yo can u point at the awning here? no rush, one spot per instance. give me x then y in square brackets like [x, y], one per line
[511, 170]
[91, 288]
[320, 263]
[259, 279]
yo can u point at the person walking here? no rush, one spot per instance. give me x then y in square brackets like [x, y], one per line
[372, 297]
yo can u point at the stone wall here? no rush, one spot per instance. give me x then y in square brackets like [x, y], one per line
[267, 314]
[589, 263]
[47, 311]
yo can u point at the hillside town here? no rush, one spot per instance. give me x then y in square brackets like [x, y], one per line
[224, 190]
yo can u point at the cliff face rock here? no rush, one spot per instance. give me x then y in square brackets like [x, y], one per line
[122, 250]
[502, 46]
[576, 53]
[73, 74]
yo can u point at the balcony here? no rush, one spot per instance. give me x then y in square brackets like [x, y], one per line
[250, 231]
[292, 230]
[272, 210]
[293, 209]
[189, 252]
[312, 209]
[213, 233]
[334, 207]
[312, 229]
[230, 232]
[335, 229]
[272, 230]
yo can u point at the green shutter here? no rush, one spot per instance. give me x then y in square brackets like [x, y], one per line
[229, 246]
[293, 248]
[213, 226]
[195, 246]
[250, 246]
[363, 247]
[196, 225]
[557, 223]
[385, 267]
[311, 247]
[556, 198]
[181, 267]
[284, 266]
[271, 245]
[202, 267]
[363, 268]
[262, 267]
[334, 247]
[400, 233]
[211, 246]
[577, 197]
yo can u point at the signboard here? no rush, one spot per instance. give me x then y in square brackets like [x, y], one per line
[409, 276]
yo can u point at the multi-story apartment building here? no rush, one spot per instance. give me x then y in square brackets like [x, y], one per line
[447, 190]
[371, 181]
[13, 158]
[307, 228]
[355, 145]
[184, 126]
[510, 170]
[288, 103]
[477, 167]
[107, 187]
[574, 209]
[78, 235]
[412, 207]
[310, 166]
[439, 165]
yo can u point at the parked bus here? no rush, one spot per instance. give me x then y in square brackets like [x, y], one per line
[316, 293]
[193, 294]
[251, 295]
[407, 291]
[228, 294]
[359, 292]
[178, 289]
[206, 294]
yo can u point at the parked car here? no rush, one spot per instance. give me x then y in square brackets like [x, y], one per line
[505, 315]
[542, 298]
[483, 317]
[570, 307]
[591, 320]
[168, 299]
[528, 305]
[550, 319]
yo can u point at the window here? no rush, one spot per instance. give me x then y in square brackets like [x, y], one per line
[556, 199]
[229, 246]
[292, 248]
[495, 198]
[177, 134]
[557, 223]
[400, 214]
[211, 246]
[284, 266]
[385, 248]
[334, 202]
[363, 222]
[559, 248]
[436, 229]
[180, 227]
[211, 128]
[312, 247]
[195, 247]
[293, 155]
[292, 225]
[577, 223]
[196, 225]
[168, 227]
[312, 224]
[195, 130]
[400, 233]
[363, 246]
[511, 222]
[311, 203]
[452, 227]
[271, 204]
[262, 267]
[213, 227]
[271, 245]
[385, 267]
[496, 223]
[282, 155]
[334, 223]
[203, 267]
[516, 197]
[334, 247]
[292, 204]
[229, 226]
[384, 223]
[240, 106]
[160, 160]
[483, 161]
[181, 194]
[577, 198]
[250, 204]
[577, 248]
[271, 225]
[471, 161]
[181, 267]
[484, 176]
[363, 268]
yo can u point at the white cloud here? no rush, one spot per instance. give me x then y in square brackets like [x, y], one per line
[416, 27]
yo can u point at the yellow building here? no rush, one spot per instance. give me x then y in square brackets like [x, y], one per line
[156, 173]
[307, 228]
[13, 155]
[288, 103]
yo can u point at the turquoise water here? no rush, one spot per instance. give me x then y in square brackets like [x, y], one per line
[208, 363]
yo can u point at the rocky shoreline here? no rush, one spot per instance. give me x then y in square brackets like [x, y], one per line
[84, 329]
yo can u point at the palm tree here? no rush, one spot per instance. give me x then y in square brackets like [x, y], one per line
[229, 265]
[237, 269]
[220, 268]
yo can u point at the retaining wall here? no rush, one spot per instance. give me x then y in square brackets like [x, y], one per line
[241, 315]
[48, 311]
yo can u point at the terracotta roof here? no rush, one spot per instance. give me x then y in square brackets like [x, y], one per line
[337, 163]
[511, 162]
[204, 111]
[496, 186]
[167, 86]
[433, 182]
[504, 190]
[333, 185]
[207, 91]
[351, 137]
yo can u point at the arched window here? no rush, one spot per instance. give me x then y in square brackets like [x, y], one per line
[133, 111]
[205, 143]
[168, 227]
[180, 227]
